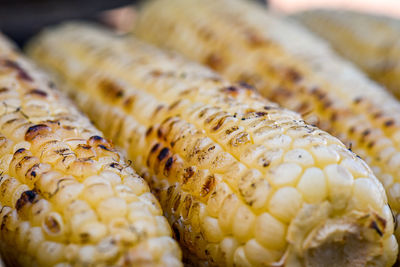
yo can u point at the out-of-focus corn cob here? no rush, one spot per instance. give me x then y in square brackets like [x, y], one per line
[288, 65]
[67, 197]
[242, 181]
[370, 41]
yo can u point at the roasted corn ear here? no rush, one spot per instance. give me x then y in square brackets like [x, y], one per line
[289, 65]
[242, 181]
[372, 42]
[67, 197]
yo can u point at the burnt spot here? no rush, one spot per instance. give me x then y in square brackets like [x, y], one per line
[149, 130]
[357, 100]
[370, 144]
[154, 148]
[187, 174]
[104, 148]
[176, 203]
[158, 109]
[219, 123]
[3, 90]
[389, 123]
[366, 132]
[213, 60]
[111, 89]
[175, 229]
[260, 114]
[159, 133]
[334, 116]
[37, 92]
[208, 186]
[378, 115]
[32, 171]
[98, 140]
[52, 225]
[10, 121]
[253, 39]
[211, 148]
[375, 226]
[51, 85]
[187, 204]
[163, 154]
[19, 151]
[293, 75]
[168, 164]
[22, 74]
[175, 104]
[26, 197]
[116, 166]
[232, 129]
[247, 86]
[85, 147]
[128, 102]
[156, 73]
[36, 130]
[352, 129]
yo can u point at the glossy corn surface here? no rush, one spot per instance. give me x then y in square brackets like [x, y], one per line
[289, 65]
[242, 181]
[67, 197]
[370, 41]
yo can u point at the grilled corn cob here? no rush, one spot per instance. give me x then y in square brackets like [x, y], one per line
[289, 65]
[370, 41]
[242, 181]
[67, 197]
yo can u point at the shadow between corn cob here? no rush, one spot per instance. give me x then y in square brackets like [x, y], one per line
[242, 181]
[370, 41]
[245, 42]
[67, 197]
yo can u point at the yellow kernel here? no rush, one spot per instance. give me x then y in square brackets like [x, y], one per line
[125, 192]
[67, 193]
[278, 141]
[34, 239]
[111, 177]
[285, 203]
[111, 208]
[228, 248]
[53, 224]
[92, 232]
[216, 198]
[163, 227]
[340, 183]
[152, 203]
[356, 167]
[87, 253]
[394, 196]
[366, 194]
[212, 231]
[270, 232]
[284, 174]
[49, 253]
[227, 213]
[258, 255]
[240, 259]
[243, 223]
[138, 185]
[38, 211]
[95, 179]
[313, 185]
[324, 154]
[299, 156]
[95, 193]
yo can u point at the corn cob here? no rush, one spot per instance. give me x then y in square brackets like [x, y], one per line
[242, 181]
[372, 42]
[67, 197]
[290, 66]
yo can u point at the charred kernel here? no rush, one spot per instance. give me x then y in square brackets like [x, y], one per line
[19, 151]
[357, 100]
[246, 85]
[149, 130]
[104, 147]
[160, 133]
[3, 90]
[375, 226]
[260, 114]
[155, 148]
[188, 173]
[219, 123]
[168, 164]
[39, 129]
[163, 154]
[211, 148]
[389, 123]
[232, 129]
[26, 197]
[208, 186]
[37, 92]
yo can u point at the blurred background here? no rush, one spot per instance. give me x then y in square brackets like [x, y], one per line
[20, 19]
